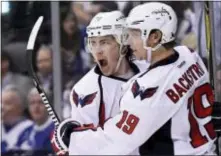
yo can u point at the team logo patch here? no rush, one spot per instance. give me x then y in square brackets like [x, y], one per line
[83, 100]
[135, 89]
[144, 93]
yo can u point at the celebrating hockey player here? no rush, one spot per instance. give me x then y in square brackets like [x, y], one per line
[169, 105]
[95, 98]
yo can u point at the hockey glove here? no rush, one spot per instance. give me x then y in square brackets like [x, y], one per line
[61, 136]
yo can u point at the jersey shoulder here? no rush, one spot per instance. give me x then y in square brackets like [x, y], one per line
[87, 83]
[155, 76]
[86, 89]
[183, 48]
[158, 73]
[186, 52]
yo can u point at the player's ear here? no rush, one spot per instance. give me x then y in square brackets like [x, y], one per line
[154, 38]
[156, 35]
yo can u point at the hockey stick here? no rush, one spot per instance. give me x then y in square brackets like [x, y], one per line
[208, 41]
[29, 50]
[31, 71]
[208, 28]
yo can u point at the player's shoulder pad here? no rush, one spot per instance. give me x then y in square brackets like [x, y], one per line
[87, 82]
[149, 83]
[86, 88]
[186, 52]
[184, 49]
[154, 76]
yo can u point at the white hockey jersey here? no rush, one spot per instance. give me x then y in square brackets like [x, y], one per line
[169, 105]
[95, 98]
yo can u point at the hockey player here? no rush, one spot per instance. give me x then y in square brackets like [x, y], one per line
[169, 105]
[95, 98]
[92, 98]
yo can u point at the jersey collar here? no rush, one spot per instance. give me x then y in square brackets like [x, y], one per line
[171, 59]
[134, 68]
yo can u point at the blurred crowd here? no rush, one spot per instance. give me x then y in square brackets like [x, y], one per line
[25, 123]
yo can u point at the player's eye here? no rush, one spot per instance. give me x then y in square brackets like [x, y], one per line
[103, 42]
[134, 34]
[93, 43]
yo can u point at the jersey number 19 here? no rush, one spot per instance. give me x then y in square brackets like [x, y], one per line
[195, 105]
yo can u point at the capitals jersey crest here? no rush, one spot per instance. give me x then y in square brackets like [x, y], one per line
[144, 93]
[83, 100]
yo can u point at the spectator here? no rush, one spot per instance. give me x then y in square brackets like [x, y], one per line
[16, 51]
[44, 66]
[85, 11]
[71, 45]
[186, 18]
[22, 83]
[15, 127]
[102, 6]
[190, 40]
[39, 138]
[81, 11]
[70, 33]
[129, 5]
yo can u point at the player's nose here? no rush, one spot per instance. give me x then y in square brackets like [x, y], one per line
[128, 39]
[99, 51]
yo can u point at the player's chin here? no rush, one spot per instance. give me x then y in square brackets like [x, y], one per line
[106, 71]
[138, 57]
[136, 54]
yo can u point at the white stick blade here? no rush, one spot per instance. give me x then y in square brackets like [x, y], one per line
[34, 33]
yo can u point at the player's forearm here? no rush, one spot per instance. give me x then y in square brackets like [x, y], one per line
[101, 141]
[128, 130]
[90, 143]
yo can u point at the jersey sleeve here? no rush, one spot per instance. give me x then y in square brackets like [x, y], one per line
[200, 61]
[85, 106]
[142, 113]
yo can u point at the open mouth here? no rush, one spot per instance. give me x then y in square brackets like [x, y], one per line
[102, 63]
